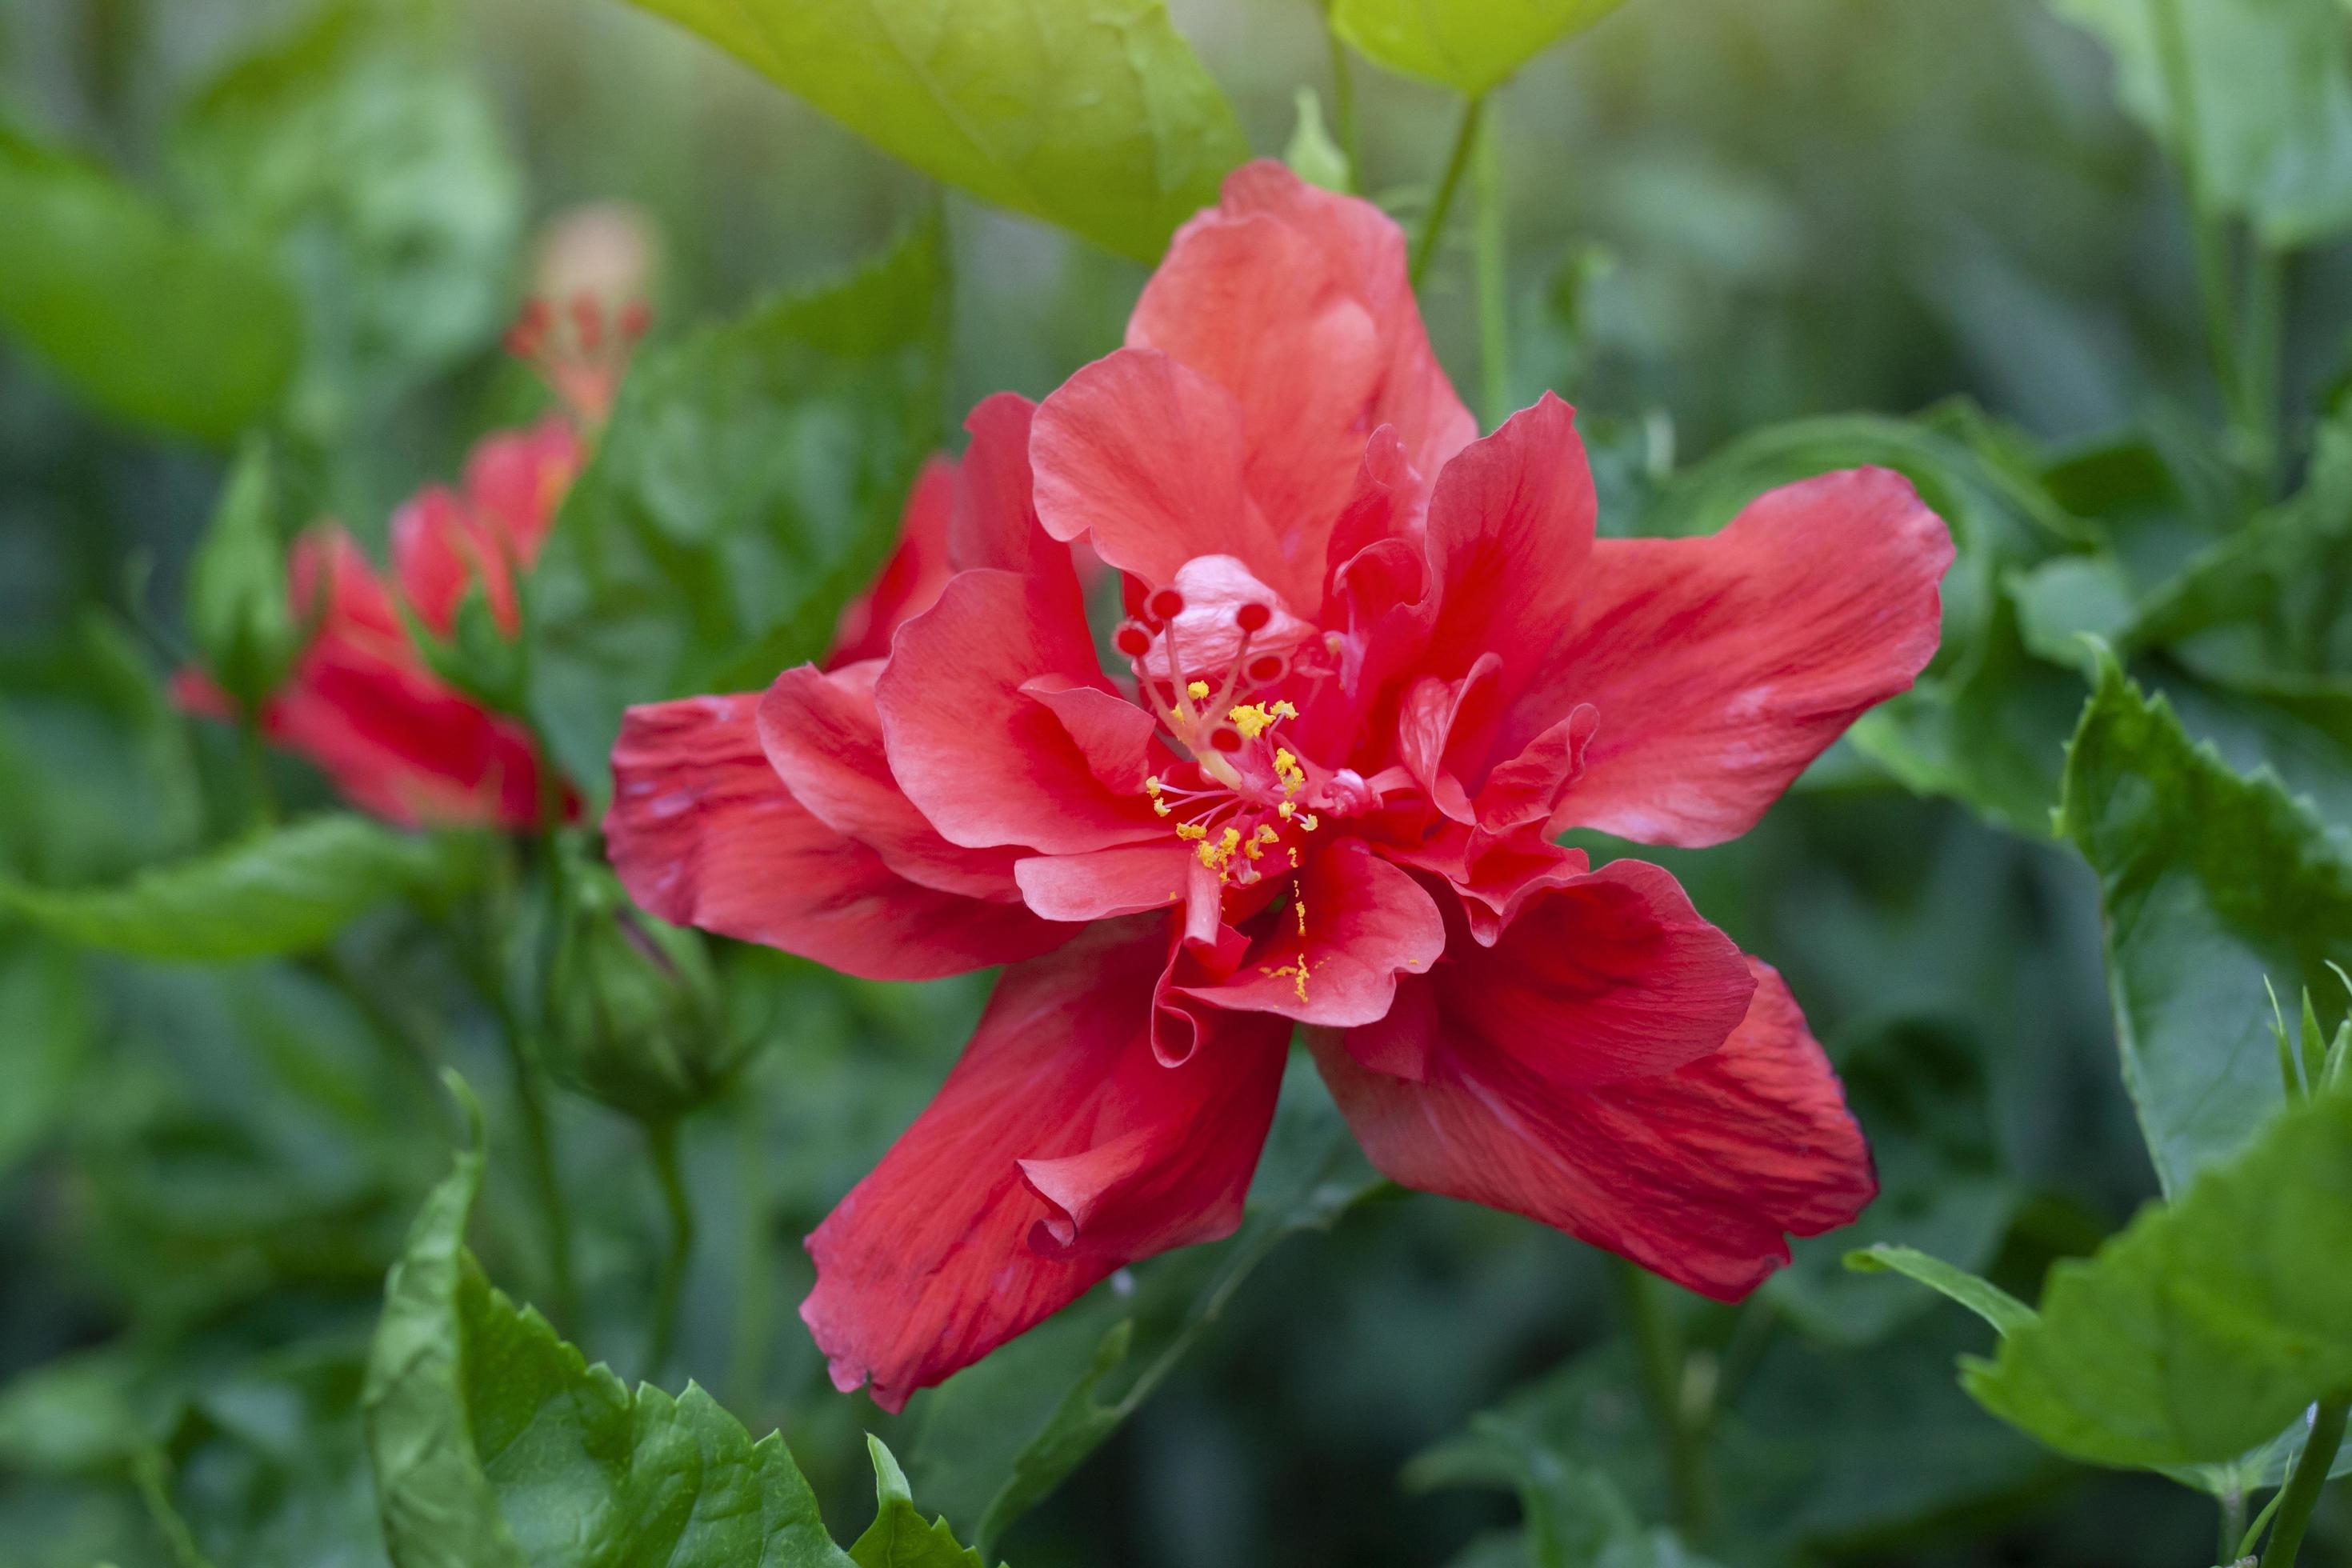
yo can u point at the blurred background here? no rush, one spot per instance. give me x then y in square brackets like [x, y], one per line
[1721, 216]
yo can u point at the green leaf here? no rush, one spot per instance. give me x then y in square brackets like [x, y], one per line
[45, 1034]
[1311, 153]
[2210, 882]
[495, 1444]
[750, 483]
[998, 1437]
[375, 168]
[80, 259]
[2207, 1324]
[898, 1537]
[2271, 107]
[1093, 114]
[1982, 1297]
[1470, 45]
[289, 890]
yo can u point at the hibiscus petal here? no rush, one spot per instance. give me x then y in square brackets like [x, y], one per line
[911, 581]
[515, 479]
[1144, 458]
[1361, 924]
[1697, 1174]
[1527, 788]
[984, 760]
[1722, 666]
[437, 555]
[1511, 526]
[703, 832]
[1057, 1151]
[1259, 291]
[822, 736]
[1129, 879]
[1113, 734]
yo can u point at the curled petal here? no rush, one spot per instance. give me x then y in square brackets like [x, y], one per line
[1697, 1173]
[1058, 1149]
[1102, 883]
[703, 832]
[1722, 666]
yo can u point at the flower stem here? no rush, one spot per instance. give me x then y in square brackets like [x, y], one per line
[150, 1472]
[540, 1142]
[1681, 1432]
[2233, 1525]
[1432, 226]
[661, 1142]
[2209, 240]
[2310, 1475]
[1343, 102]
[1494, 280]
[255, 751]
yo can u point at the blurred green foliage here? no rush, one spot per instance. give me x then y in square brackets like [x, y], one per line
[2086, 288]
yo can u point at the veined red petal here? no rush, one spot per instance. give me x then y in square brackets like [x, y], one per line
[1143, 458]
[911, 581]
[703, 832]
[1058, 1149]
[984, 760]
[1101, 883]
[1698, 1173]
[1511, 526]
[1722, 666]
[822, 736]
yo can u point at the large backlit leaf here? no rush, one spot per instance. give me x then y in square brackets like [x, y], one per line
[285, 890]
[81, 254]
[750, 483]
[1470, 45]
[2210, 883]
[495, 1442]
[1094, 114]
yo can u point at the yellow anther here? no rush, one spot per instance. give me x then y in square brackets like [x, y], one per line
[1232, 840]
[1251, 720]
[1254, 848]
[1283, 760]
[1208, 853]
[1309, 822]
[1300, 907]
[1265, 832]
[1151, 785]
[1190, 830]
[1283, 711]
[1197, 689]
[1285, 810]
[1293, 859]
[1162, 807]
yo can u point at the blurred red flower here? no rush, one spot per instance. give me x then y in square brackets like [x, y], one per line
[1372, 665]
[361, 702]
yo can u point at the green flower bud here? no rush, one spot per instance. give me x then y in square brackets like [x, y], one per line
[634, 1011]
[238, 611]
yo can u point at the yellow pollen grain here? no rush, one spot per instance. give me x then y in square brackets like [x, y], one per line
[1308, 823]
[1286, 811]
[1162, 807]
[1190, 830]
[1254, 850]
[1197, 690]
[1208, 853]
[1283, 711]
[1266, 834]
[1151, 785]
[1252, 719]
[1283, 760]
[1232, 840]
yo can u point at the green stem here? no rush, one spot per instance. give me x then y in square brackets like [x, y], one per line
[150, 1473]
[2265, 333]
[1682, 1433]
[2233, 1525]
[2209, 242]
[754, 1292]
[1343, 103]
[1433, 227]
[1494, 280]
[661, 1142]
[2302, 1486]
[255, 750]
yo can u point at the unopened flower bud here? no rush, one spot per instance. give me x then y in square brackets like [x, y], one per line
[634, 1013]
[238, 610]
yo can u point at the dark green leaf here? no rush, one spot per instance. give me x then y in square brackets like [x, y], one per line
[750, 484]
[1982, 1297]
[2210, 882]
[80, 259]
[2206, 1325]
[1094, 114]
[45, 1032]
[1470, 45]
[285, 890]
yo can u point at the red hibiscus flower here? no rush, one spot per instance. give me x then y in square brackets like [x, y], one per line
[1370, 665]
[362, 703]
